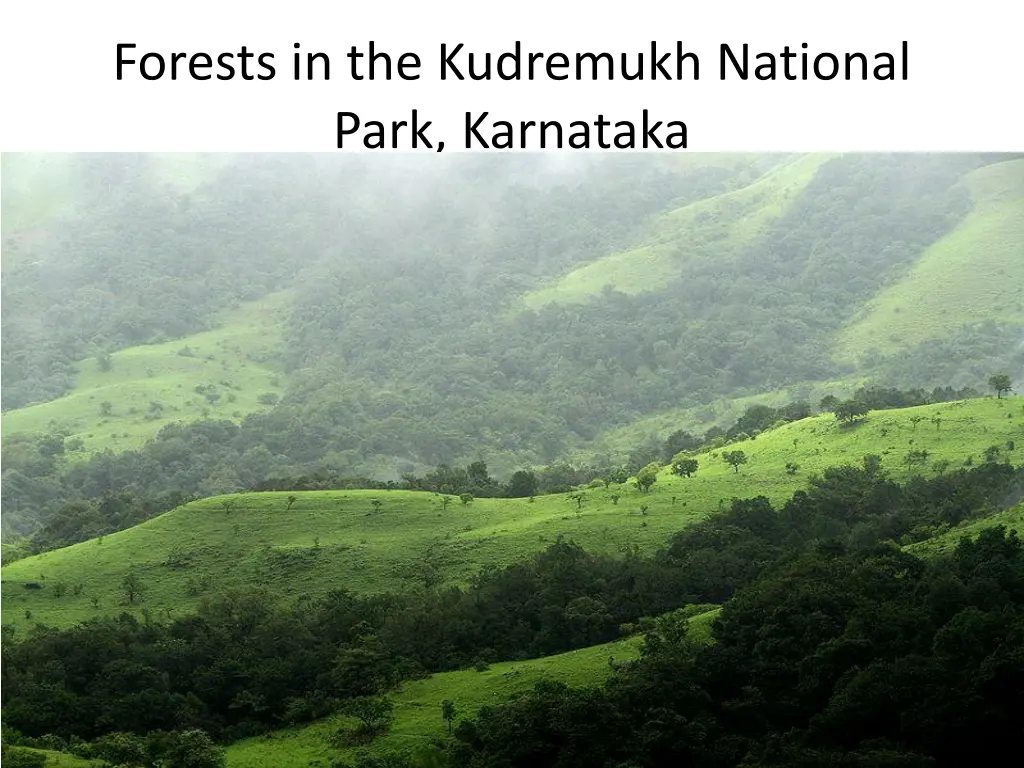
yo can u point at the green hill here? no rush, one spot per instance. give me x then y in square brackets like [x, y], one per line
[707, 229]
[374, 541]
[973, 274]
[152, 385]
[418, 703]
[1012, 518]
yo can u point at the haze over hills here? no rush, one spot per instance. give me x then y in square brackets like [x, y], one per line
[336, 461]
[520, 314]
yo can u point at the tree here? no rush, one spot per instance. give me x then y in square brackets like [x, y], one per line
[684, 466]
[291, 500]
[522, 483]
[132, 586]
[849, 411]
[734, 459]
[1000, 382]
[191, 749]
[828, 403]
[374, 714]
[466, 498]
[106, 408]
[647, 476]
[445, 501]
[448, 712]
[478, 474]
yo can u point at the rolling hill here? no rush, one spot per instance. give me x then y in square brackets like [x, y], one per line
[375, 541]
[149, 386]
[971, 275]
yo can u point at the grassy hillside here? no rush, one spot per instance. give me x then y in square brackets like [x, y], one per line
[418, 703]
[973, 274]
[385, 541]
[701, 230]
[1012, 518]
[233, 359]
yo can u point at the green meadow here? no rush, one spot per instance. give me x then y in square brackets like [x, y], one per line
[307, 543]
[709, 228]
[973, 274]
[122, 405]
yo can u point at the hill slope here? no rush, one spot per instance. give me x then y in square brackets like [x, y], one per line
[418, 703]
[232, 364]
[707, 229]
[973, 274]
[311, 542]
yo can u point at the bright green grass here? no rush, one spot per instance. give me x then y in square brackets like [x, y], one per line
[234, 358]
[701, 230]
[1013, 519]
[973, 274]
[331, 539]
[418, 703]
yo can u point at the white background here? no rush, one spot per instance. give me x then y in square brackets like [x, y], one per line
[57, 64]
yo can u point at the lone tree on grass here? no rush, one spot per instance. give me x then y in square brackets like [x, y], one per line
[684, 466]
[579, 497]
[647, 476]
[448, 712]
[374, 715]
[132, 586]
[734, 459]
[850, 411]
[1000, 382]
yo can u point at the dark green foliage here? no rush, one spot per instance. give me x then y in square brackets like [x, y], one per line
[1000, 382]
[13, 757]
[850, 411]
[734, 459]
[647, 476]
[684, 465]
[828, 659]
[522, 483]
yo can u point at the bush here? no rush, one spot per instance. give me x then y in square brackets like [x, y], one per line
[13, 757]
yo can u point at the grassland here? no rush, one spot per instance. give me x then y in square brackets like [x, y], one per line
[418, 703]
[232, 362]
[974, 273]
[702, 230]
[374, 541]
[1012, 518]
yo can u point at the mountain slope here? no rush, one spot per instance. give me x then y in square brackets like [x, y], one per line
[310, 542]
[231, 364]
[971, 275]
[706, 229]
